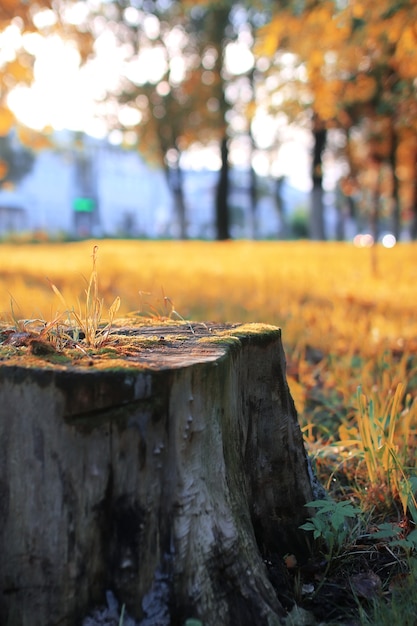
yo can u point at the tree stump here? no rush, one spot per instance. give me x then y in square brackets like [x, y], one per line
[167, 466]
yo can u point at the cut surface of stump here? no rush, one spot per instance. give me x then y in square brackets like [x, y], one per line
[167, 466]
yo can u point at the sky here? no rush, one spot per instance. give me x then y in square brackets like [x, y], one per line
[63, 94]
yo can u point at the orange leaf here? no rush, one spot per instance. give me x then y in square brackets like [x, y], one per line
[4, 168]
[6, 121]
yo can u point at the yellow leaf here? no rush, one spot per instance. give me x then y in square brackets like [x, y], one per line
[33, 139]
[358, 10]
[21, 72]
[6, 121]
[4, 168]
[348, 436]
[298, 393]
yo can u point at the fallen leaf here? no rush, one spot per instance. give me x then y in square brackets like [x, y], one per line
[366, 585]
[290, 561]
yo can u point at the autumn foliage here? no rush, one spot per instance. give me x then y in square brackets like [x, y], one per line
[357, 68]
[18, 21]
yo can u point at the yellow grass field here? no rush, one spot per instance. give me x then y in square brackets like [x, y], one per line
[330, 296]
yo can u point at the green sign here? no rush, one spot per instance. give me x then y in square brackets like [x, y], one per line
[84, 205]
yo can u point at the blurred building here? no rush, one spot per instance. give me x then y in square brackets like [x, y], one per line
[92, 188]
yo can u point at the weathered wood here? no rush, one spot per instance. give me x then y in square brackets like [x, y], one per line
[168, 469]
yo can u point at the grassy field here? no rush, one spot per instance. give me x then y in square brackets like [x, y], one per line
[329, 294]
[349, 324]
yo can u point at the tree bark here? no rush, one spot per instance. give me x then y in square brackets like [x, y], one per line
[169, 469]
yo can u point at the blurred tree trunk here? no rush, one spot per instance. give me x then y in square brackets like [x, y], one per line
[413, 223]
[374, 217]
[222, 195]
[396, 214]
[279, 201]
[253, 200]
[253, 181]
[175, 179]
[317, 210]
[17, 161]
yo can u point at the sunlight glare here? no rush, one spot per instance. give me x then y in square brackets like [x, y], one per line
[238, 57]
[388, 240]
[64, 93]
[10, 40]
[58, 96]
[150, 67]
[44, 18]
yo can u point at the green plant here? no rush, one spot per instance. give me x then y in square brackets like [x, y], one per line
[395, 537]
[122, 615]
[299, 223]
[330, 523]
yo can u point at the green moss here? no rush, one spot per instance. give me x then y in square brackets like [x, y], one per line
[108, 351]
[60, 358]
[7, 352]
[244, 333]
[255, 328]
[220, 339]
[117, 365]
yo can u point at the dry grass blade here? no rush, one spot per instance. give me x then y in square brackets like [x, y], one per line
[87, 321]
[380, 438]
